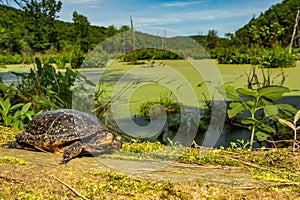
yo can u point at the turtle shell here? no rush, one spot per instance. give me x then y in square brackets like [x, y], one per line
[58, 127]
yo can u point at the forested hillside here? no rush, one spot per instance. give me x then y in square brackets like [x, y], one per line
[275, 24]
[36, 28]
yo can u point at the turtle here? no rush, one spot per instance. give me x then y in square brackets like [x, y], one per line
[66, 131]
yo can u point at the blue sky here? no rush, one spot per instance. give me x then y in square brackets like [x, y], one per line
[189, 17]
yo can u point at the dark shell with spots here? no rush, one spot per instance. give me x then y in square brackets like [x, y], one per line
[66, 131]
[62, 125]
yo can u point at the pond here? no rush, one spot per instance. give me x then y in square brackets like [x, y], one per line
[150, 82]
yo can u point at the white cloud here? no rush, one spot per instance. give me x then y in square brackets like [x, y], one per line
[175, 18]
[188, 15]
[181, 4]
[213, 14]
[139, 22]
[86, 2]
[142, 21]
[156, 21]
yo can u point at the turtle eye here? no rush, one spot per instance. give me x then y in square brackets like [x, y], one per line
[18, 137]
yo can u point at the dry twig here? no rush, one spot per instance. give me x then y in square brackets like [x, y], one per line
[68, 186]
[247, 163]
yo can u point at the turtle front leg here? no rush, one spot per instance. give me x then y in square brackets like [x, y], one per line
[13, 145]
[72, 151]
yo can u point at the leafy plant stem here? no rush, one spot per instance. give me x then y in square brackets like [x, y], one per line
[252, 131]
[292, 125]
[295, 138]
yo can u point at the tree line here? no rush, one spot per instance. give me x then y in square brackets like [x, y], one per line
[36, 28]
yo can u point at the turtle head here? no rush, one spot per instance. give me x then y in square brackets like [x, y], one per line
[24, 137]
[21, 137]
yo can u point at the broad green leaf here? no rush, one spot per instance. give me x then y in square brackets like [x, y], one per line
[17, 114]
[247, 92]
[6, 105]
[287, 108]
[264, 102]
[16, 124]
[34, 114]
[273, 92]
[231, 93]
[266, 128]
[298, 128]
[297, 117]
[25, 108]
[271, 111]
[16, 106]
[8, 120]
[261, 136]
[235, 108]
[286, 123]
[28, 116]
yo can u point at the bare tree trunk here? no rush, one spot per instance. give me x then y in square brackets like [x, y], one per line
[294, 32]
[133, 36]
[163, 42]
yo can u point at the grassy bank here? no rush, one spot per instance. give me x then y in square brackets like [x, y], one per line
[267, 174]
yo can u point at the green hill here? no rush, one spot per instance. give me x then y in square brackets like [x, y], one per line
[24, 31]
[279, 17]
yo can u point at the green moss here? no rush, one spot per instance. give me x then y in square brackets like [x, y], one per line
[113, 183]
[29, 195]
[142, 147]
[279, 166]
[11, 160]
